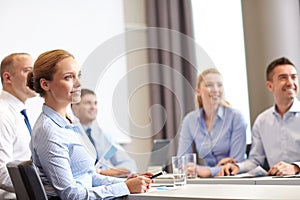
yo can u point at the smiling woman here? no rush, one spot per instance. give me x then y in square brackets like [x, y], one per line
[217, 130]
[66, 168]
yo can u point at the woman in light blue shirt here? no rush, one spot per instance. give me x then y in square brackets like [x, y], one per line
[217, 131]
[66, 168]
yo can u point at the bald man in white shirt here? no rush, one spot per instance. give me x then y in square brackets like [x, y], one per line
[14, 132]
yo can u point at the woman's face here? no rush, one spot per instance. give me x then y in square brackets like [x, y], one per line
[65, 87]
[211, 89]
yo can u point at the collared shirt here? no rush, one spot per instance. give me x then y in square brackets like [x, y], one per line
[65, 166]
[103, 144]
[14, 136]
[226, 139]
[275, 138]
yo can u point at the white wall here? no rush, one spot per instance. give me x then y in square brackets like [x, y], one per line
[77, 26]
[219, 31]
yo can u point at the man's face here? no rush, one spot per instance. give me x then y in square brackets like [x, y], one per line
[284, 83]
[87, 109]
[22, 65]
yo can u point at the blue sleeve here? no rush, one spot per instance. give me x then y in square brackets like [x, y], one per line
[238, 137]
[257, 153]
[186, 137]
[213, 170]
[55, 160]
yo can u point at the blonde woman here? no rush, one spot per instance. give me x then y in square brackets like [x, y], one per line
[217, 131]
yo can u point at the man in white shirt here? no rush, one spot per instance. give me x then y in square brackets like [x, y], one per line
[113, 160]
[276, 131]
[14, 128]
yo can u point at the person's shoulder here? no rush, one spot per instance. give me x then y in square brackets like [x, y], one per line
[191, 119]
[266, 112]
[7, 112]
[4, 106]
[193, 114]
[42, 122]
[232, 110]
[4, 101]
[264, 115]
[45, 125]
[235, 114]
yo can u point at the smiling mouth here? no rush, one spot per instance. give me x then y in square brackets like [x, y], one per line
[75, 92]
[289, 89]
[214, 96]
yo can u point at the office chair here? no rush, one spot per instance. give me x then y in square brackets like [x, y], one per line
[26, 180]
[248, 148]
[159, 155]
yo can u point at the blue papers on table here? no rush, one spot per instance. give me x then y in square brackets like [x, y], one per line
[103, 162]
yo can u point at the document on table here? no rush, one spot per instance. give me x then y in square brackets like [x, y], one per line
[161, 187]
[256, 172]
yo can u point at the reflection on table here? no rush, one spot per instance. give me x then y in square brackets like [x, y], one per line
[221, 191]
[267, 180]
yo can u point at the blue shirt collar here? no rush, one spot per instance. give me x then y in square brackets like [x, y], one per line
[55, 117]
[220, 112]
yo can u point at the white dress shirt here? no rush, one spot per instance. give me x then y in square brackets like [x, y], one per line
[14, 136]
[109, 153]
[275, 138]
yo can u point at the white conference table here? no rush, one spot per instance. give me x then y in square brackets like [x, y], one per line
[267, 180]
[221, 191]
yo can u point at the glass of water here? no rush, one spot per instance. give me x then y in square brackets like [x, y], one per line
[191, 166]
[179, 170]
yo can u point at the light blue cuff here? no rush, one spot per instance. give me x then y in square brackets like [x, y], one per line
[119, 189]
[214, 170]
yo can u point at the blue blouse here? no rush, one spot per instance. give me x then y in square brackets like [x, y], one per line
[226, 139]
[65, 166]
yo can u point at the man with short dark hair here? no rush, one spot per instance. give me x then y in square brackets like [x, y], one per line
[276, 131]
[113, 160]
[14, 124]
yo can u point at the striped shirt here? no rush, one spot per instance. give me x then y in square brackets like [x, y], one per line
[66, 168]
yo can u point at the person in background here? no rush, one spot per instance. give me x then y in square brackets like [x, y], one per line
[112, 158]
[217, 131]
[275, 133]
[14, 134]
[66, 168]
